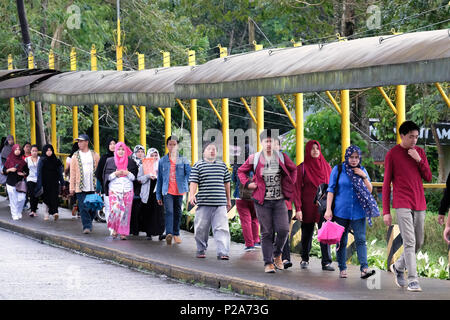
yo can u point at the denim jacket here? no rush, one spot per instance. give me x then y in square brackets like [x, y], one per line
[183, 170]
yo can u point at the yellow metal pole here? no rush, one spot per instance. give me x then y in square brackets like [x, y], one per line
[400, 97]
[333, 101]
[95, 110]
[388, 100]
[280, 100]
[119, 58]
[142, 111]
[345, 121]
[167, 111]
[299, 130]
[73, 67]
[249, 110]
[193, 109]
[12, 116]
[51, 65]
[32, 106]
[443, 94]
[259, 110]
[225, 121]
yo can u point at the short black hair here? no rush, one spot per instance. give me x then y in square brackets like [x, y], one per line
[407, 127]
[269, 133]
[207, 143]
[35, 146]
[173, 138]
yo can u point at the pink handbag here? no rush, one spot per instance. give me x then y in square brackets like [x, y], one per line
[330, 233]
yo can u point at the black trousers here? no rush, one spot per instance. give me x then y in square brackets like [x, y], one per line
[33, 200]
[307, 234]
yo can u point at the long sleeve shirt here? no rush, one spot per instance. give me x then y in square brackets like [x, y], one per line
[406, 176]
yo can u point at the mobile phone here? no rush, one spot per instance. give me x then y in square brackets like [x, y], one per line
[16, 166]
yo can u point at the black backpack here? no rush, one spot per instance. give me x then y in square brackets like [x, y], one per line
[321, 195]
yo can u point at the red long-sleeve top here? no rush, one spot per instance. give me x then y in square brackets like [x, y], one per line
[406, 175]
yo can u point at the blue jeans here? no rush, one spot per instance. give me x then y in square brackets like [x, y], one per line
[172, 206]
[359, 232]
[86, 214]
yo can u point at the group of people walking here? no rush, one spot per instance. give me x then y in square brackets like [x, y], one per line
[144, 192]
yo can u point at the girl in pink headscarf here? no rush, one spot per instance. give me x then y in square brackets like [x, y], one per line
[119, 173]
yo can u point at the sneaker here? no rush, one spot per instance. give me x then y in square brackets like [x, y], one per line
[169, 239]
[258, 245]
[287, 264]
[56, 216]
[328, 267]
[86, 231]
[278, 262]
[249, 249]
[399, 276]
[304, 264]
[201, 254]
[46, 216]
[269, 268]
[414, 286]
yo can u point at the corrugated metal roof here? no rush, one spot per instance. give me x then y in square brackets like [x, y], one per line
[17, 83]
[152, 87]
[419, 57]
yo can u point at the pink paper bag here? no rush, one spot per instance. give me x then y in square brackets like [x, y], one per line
[330, 233]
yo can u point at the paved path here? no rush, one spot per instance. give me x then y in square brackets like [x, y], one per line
[243, 273]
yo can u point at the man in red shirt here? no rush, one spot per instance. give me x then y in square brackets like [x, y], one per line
[405, 166]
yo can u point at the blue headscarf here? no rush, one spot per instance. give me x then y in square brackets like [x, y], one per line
[365, 198]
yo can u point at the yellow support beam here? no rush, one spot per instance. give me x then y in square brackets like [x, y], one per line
[400, 102]
[333, 101]
[388, 100]
[345, 121]
[225, 120]
[443, 94]
[259, 109]
[299, 129]
[32, 106]
[249, 110]
[12, 114]
[167, 111]
[142, 109]
[211, 104]
[162, 113]
[193, 108]
[286, 110]
[183, 108]
[54, 137]
[73, 67]
[95, 110]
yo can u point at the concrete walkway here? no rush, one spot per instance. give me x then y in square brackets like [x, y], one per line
[243, 273]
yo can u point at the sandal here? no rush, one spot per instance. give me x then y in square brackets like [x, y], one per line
[343, 274]
[366, 273]
[223, 257]
[201, 255]
[123, 237]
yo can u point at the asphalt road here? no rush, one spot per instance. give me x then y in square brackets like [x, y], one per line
[30, 270]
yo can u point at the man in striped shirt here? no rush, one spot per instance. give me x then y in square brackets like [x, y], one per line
[212, 179]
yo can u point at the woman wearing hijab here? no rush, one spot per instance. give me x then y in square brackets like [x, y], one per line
[138, 156]
[151, 215]
[7, 148]
[111, 145]
[119, 173]
[16, 170]
[73, 199]
[314, 171]
[354, 202]
[50, 178]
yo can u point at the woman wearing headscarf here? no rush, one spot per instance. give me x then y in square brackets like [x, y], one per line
[50, 178]
[7, 148]
[138, 156]
[16, 169]
[73, 199]
[119, 174]
[354, 202]
[151, 215]
[244, 204]
[311, 173]
[111, 145]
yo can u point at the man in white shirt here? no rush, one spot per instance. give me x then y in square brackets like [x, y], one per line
[82, 179]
